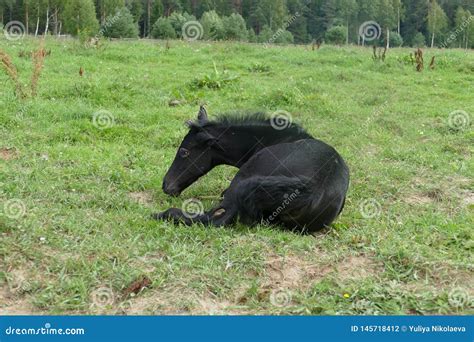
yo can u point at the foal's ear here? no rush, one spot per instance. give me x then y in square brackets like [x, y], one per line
[202, 115]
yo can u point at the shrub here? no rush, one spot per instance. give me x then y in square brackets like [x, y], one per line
[419, 40]
[336, 35]
[251, 36]
[265, 35]
[163, 29]
[279, 37]
[283, 37]
[178, 20]
[121, 25]
[212, 26]
[396, 39]
[234, 27]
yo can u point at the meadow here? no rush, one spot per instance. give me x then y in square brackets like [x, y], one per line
[81, 166]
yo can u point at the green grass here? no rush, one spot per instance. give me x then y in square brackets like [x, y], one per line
[403, 244]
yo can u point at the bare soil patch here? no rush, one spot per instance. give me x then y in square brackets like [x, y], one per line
[418, 199]
[178, 301]
[357, 267]
[11, 305]
[8, 153]
[297, 272]
[141, 197]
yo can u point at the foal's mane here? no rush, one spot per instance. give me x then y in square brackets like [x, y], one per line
[248, 120]
[241, 119]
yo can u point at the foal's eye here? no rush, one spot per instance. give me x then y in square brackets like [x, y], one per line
[183, 153]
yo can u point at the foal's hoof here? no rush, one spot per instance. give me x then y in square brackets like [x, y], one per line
[155, 216]
[160, 216]
[165, 215]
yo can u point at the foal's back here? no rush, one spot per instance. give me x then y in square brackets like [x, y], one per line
[309, 168]
[308, 158]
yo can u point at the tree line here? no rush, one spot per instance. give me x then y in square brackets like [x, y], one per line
[446, 23]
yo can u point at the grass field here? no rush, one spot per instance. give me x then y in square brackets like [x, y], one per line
[82, 166]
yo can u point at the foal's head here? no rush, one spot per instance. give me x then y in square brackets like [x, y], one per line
[195, 157]
[230, 140]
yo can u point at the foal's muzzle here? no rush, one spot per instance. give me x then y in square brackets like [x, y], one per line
[170, 189]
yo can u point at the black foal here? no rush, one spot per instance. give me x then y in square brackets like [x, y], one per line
[286, 176]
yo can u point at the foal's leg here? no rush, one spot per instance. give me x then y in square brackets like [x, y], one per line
[218, 216]
[173, 214]
[271, 198]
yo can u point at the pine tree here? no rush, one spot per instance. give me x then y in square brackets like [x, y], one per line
[347, 11]
[314, 18]
[415, 20]
[268, 12]
[297, 22]
[106, 8]
[79, 17]
[6, 10]
[329, 8]
[136, 9]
